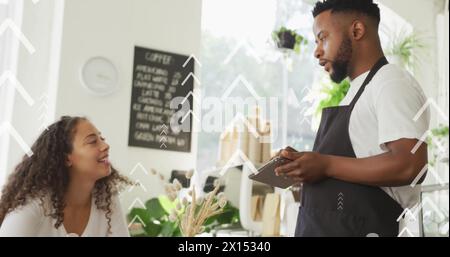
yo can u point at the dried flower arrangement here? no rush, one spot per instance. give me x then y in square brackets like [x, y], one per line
[191, 215]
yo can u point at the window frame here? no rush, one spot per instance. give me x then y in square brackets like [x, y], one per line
[9, 51]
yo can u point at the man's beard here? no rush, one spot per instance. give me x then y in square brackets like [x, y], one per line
[342, 60]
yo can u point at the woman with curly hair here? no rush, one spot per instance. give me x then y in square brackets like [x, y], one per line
[66, 188]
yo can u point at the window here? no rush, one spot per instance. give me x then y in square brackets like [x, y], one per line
[435, 188]
[9, 11]
[236, 47]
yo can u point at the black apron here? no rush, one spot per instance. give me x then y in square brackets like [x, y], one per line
[334, 207]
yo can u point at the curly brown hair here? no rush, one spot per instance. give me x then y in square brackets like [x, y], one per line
[46, 175]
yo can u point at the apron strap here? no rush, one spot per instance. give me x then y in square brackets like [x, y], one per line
[380, 63]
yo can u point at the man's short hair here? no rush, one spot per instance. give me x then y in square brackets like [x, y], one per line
[367, 7]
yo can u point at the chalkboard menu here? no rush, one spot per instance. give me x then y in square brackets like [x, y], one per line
[159, 77]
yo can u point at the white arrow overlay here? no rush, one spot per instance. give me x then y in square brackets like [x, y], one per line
[188, 76]
[248, 48]
[433, 103]
[187, 115]
[237, 158]
[134, 221]
[135, 202]
[192, 56]
[140, 167]
[423, 138]
[9, 24]
[43, 109]
[427, 168]
[239, 78]
[195, 97]
[9, 76]
[164, 127]
[419, 206]
[239, 119]
[163, 131]
[8, 128]
[405, 230]
[292, 99]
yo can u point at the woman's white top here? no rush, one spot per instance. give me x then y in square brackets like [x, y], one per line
[29, 221]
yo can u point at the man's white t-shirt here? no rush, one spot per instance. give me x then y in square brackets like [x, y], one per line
[29, 220]
[385, 112]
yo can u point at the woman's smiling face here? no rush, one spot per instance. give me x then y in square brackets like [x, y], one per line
[89, 156]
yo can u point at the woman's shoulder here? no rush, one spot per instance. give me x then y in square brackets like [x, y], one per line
[24, 220]
[35, 206]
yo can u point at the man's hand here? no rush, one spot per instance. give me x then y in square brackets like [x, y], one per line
[307, 167]
[290, 149]
[399, 166]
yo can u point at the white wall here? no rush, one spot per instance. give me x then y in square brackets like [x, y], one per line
[112, 29]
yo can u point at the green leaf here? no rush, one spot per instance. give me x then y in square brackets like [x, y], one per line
[168, 228]
[440, 131]
[152, 229]
[141, 213]
[139, 235]
[155, 209]
[210, 220]
[166, 203]
[177, 232]
[225, 217]
[149, 226]
[230, 215]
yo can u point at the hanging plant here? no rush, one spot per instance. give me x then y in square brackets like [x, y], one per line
[403, 48]
[288, 39]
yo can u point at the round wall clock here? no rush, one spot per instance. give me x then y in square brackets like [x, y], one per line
[100, 76]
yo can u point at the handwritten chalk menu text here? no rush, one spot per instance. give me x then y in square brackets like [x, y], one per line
[158, 77]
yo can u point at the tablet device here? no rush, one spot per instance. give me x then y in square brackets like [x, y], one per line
[266, 174]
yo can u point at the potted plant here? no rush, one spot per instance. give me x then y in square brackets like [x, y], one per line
[403, 49]
[439, 135]
[288, 39]
[170, 215]
[155, 219]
